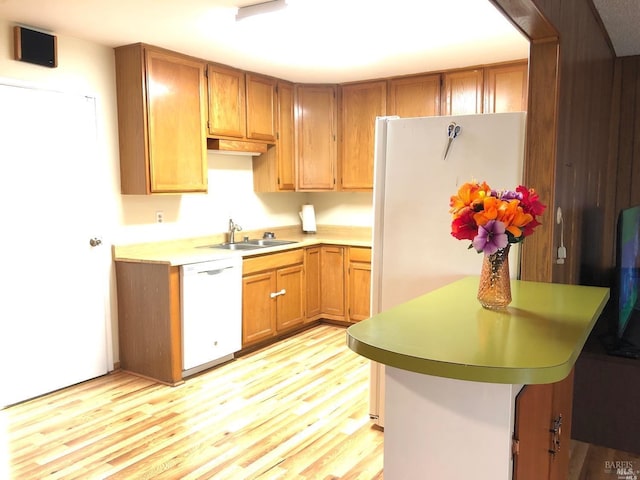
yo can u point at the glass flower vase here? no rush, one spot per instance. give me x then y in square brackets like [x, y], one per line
[494, 289]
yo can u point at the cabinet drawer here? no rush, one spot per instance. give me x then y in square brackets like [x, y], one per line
[272, 261]
[360, 254]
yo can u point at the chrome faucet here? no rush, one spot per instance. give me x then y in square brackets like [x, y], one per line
[233, 228]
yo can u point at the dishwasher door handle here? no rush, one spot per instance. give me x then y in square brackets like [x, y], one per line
[214, 272]
[277, 294]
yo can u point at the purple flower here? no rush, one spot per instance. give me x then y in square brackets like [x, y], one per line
[510, 195]
[490, 238]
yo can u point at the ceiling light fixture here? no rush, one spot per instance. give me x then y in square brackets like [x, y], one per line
[260, 8]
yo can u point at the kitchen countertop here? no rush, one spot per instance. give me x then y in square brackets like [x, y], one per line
[447, 333]
[185, 251]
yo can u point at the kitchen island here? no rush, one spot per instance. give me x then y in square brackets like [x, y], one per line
[453, 370]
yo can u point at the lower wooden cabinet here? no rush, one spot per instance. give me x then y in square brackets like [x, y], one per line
[332, 283]
[149, 323]
[359, 283]
[338, 283]
[542, 432]
[273, 295]
[312, 283]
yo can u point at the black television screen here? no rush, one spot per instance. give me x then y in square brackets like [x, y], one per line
[628, 281]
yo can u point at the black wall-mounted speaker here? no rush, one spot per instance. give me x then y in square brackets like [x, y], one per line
[35, 47]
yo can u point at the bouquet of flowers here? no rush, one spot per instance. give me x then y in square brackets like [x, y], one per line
[493, 219]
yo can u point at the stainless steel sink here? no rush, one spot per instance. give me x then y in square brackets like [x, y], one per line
[235, 246]
[250, 244]
[268, 242]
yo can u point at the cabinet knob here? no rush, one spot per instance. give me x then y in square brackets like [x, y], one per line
[95, 241]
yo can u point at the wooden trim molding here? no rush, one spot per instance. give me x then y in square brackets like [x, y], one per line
[542, 127]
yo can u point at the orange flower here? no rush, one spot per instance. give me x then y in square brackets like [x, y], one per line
[490, 210]
[469, 195]
[514, 217]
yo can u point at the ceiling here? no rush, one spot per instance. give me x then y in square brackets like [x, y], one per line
[310, 40]
[621, 19]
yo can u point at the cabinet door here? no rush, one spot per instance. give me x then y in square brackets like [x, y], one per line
[274, 170]
[315, 127]
[177, 139]
[531, 431]
[416, 96]
[562, 408]
[261, 107]
[543, 430]
[290, 299]
[462, 92]
[161, 106]
[505, 88]
[312, 282]
[359, 291]
[286, 137]
[332, 282]
[258, 307]
[360, 104]
[226, 102]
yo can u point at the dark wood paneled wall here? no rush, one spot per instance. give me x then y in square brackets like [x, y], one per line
[578, 177]
[628, 139]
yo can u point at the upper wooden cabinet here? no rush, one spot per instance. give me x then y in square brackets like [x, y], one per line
[227, 107]
[261, 107]
[316, 131]
[360, 104]
[505, 88]
[462, 92]
[274, 171]
[161, 100]
[241, 106]
[415, 96]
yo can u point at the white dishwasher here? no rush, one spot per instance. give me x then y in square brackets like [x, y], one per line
[211, 299]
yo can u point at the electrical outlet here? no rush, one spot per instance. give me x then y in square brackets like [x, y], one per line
[159, 216]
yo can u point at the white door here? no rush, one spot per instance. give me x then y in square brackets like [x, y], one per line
[52, 301]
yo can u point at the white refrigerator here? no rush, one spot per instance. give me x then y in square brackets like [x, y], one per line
[414, 178]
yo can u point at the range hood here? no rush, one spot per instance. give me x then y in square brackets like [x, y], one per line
[236, 147]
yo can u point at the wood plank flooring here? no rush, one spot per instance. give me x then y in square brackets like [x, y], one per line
[295, 410]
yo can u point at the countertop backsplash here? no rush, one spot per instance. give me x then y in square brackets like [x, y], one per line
[231, 195]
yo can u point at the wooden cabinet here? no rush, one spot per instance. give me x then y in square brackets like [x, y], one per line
[161, 100]
[542, 431]
[332, 285]
[261, 107]
[360, 104]
[274, 170]
[462, 92]
[227, 106]
[414, 96]
[149, 323]
[505, 88]
[359, 284]
[241, 106]
[316, 134]
[313, 272]
[273, 295]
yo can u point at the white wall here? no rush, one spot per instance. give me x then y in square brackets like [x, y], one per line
[87, 68]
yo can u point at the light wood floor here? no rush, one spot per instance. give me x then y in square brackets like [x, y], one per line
[295, 410]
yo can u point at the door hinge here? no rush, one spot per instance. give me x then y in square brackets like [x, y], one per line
[515, 447]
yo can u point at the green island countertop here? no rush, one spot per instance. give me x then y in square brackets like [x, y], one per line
[447, 333]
